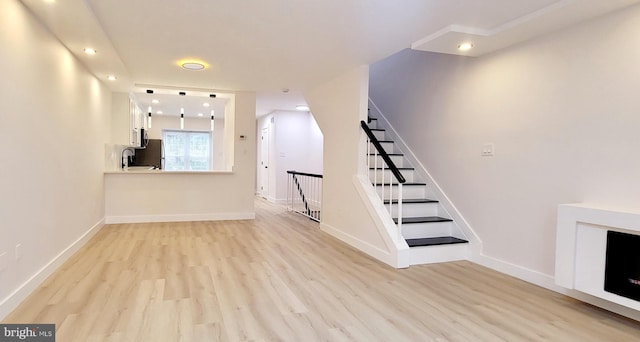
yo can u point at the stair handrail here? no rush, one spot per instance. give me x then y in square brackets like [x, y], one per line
[392, 167]
[304, 174]
[385, 156]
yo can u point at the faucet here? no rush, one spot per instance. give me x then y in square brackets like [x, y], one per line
[125, 156]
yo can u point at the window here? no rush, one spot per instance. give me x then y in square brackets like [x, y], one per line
[187, 150]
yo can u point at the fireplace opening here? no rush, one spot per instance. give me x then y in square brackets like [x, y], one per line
[622, 267]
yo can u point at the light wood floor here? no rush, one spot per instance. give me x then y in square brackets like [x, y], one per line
[280, 278]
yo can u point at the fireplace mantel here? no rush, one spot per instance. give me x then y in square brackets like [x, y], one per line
[581, 243]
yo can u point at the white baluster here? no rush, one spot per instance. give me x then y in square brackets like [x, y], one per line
[400, 211]
[382, 194]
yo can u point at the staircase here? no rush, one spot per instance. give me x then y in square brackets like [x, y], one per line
[304, 194]
[425, 226]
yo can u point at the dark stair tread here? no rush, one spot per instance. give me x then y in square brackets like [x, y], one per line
[396, 184]
[390, 154]
[441, 240]
[385, 141]
[426, 219]
[400, 168]
[377, 129]
[413, 200]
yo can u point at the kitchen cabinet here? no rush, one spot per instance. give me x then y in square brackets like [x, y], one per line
[127, 120]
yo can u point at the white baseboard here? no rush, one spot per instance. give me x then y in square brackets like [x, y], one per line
[358, 244]
[180, 218]
[9, 303]
[547, 281]
[516, 271]
[280, 201]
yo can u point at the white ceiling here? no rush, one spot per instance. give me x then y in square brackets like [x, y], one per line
[268, 45]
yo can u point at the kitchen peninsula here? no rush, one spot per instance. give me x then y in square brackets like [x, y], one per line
[136, 195]
[169, 196]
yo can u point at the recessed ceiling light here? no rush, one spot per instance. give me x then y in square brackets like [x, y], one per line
[192, 64]
[303, 108]
[200, 114]
[159, 112]
[112, 78]
[90, 51]
[206, 104]
[465, 46]
[155, 101]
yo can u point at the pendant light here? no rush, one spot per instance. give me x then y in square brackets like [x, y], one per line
[181, 118]
[212, 96]
[149, 120]
[182, 93]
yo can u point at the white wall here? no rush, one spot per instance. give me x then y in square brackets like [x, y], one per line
[191, 196]
[160, 122]
[55, 121]
[562, 111]
[295, 144]
[344, 214]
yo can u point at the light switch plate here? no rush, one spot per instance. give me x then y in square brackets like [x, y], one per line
[487, 150]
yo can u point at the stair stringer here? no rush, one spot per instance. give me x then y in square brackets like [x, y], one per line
[475, 244]
[397, 246]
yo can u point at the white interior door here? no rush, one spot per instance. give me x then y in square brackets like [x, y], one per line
[264, 163]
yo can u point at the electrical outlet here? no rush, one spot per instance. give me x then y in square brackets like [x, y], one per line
[18, 251]
[487, 150]
[3, 261]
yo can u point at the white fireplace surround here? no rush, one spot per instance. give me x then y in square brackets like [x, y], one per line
[581, 244]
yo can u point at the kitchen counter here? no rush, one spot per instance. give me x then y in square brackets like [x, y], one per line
[136, 170]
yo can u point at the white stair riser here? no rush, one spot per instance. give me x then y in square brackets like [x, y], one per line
[373, 124]
[426, 230]
[415, 209]
[398, 160]
[388, 147]
[408, 191]
[377, 176]
[379, 135]
[440, 253]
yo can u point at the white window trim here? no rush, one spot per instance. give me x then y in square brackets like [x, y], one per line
[211, 153]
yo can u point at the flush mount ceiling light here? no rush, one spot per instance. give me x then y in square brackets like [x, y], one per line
[200, 114]
[206, 104]
[112, 78]
[191, 64]
[465, 46]
[302, 108]
[155, 101]
[90, 51]
[159, 112]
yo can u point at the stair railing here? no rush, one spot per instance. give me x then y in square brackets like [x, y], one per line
[304, 194]
[387, 164]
